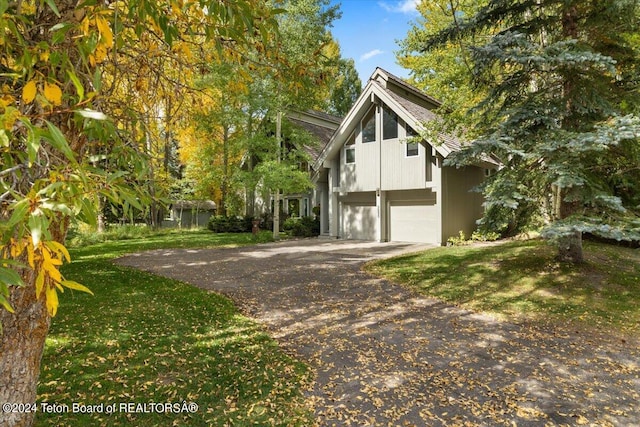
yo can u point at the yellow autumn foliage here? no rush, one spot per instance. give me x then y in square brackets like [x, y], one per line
[29, 92]
[45, 258]
[53, 93]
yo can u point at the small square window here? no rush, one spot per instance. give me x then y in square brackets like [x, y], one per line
[350, 155]
[412, 149]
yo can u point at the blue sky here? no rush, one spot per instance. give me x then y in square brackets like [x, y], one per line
[369, 30]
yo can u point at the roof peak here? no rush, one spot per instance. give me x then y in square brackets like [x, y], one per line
[384, 75]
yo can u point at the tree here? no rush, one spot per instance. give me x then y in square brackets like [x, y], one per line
[296, 70]
[557, 76]
[444, 71]
[346, 88]
[63, 145]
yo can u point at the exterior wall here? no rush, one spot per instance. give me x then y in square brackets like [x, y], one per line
[383, 164]
[333, 190]
[187, 218]
[461, 208]
[400, 172]
[363, 175]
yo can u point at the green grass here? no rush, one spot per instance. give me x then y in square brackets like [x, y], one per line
[523, 279]
[147, 339]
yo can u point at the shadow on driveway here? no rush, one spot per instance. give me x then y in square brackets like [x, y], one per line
[386, 356]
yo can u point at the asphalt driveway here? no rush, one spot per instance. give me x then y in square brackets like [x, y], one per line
[386, 356]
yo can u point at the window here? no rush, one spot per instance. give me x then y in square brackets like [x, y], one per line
[411, 149]
[350, 149]
[389, 124]
[369, 126]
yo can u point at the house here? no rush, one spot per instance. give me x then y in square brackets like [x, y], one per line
[321, 126]
[189, 213]
[375, 181]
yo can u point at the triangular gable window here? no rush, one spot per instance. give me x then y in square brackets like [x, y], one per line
[389, 123]
[369, 126]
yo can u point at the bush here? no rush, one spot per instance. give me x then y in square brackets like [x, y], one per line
[81, 235]
[302, 227]
[476, 236]
[230, 224]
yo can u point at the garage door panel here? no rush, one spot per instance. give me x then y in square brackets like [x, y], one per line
[413, 222]
[360, 222]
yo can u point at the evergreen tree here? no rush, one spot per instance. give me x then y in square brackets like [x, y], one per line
[559, 77]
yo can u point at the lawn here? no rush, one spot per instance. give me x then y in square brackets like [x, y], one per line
[147, 340]
[522, 279]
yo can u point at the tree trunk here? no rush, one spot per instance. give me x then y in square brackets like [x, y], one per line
[100, 216]
[224, 188]
[569, 247]
[250, 188]
[276, 202]
[21, 348]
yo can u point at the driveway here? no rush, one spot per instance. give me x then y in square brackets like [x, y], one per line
[386, 356]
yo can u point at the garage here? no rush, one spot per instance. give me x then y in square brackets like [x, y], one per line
[412, 223]
[359, 216]
[359, 222]
[414, 219]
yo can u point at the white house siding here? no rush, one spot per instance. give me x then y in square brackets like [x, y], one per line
[363, 174]
[399, 171]
[412, 216]
[460, 207]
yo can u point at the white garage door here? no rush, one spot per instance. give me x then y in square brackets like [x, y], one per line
[411, 222]
[359, 222]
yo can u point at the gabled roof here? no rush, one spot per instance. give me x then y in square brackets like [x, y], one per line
[412, 105]
[319, 124]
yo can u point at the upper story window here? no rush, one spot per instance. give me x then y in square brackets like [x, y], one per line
[350, 149]
[369, 126]
[411, 147]
[389, 124]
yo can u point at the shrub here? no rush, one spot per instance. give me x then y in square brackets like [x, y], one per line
[80, 235]
[476, 236]
[229, 224]
[302, 227]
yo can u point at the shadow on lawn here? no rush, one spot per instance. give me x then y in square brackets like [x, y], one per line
[147, 339]
[524, 279]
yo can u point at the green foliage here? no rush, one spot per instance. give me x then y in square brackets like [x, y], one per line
[476, 236]
[185, 345]
[523, 279]
[305, 226]
[66, 148]
[80, 236]
[346, 88]
[444, 71]
[230, 224]
[552, 106]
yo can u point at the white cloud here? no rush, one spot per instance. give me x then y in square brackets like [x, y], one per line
[371, 54]
[404, 6]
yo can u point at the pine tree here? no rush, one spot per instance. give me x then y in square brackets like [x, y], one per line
[559, 76]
